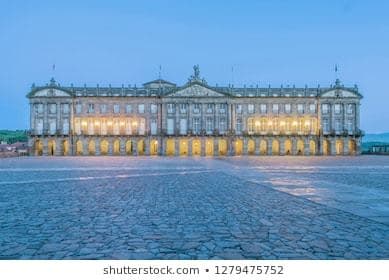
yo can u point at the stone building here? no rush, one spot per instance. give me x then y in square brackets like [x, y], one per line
[195, 119]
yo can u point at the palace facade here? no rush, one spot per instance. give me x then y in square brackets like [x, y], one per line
[196, 119]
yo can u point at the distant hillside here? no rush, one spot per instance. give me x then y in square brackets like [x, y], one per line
[380, 137]
[12, 136]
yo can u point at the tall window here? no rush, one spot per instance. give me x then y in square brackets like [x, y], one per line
[300, 108]
[312, 108]
[183, 126]
[153, 127]
[170, 126]
[338, 125]
[337, 108]
[196, 108]
[350, 125]
[183, 108]
[288, 108]
[170, 108]
[65, 126]
[222, 125]
[65, 108]
[238, 125]
[350, 109]
[222, 108]
[141, 108]
[103, 108]
[52, 108]
[78, 108]
[153, 108]
[250, 125]
[209, 108]
[128, 108]
[209, 125]
[238, 108]
[325, 108]
[52, 126]
[116, 108]
[91, 108]
[196, 125]
[263, 108]
[250, 108]
[38, 108]
[275, 108]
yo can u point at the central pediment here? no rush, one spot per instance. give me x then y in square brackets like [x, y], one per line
[196, 90]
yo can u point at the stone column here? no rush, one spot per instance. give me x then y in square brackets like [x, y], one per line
[176, 147]
[58, 147]
[146, 142]
[345, 146]
[190, 146]
[85, 150]
[245, 149]
[202, 140]
[294, 146]
[122, 149]
[110, 146]
[97, 146]
[269, 146]
[215, 146]
[231, 147]
[320, 142]
[306, 146]
[257, 143]
[134, 146]
[333, 146]
[163, 148]
[282, 146]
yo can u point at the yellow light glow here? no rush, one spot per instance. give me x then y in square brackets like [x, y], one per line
[307, 123]
[122, 123]
[97, 123]
[134, 123]
[83, 123]
[257, 123]
[109, 123]
[294, 123]
[270, 123]
[282, 123]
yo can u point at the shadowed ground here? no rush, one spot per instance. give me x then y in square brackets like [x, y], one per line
[180, 208]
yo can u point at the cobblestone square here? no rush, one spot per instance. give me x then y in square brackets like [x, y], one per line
[194, 208]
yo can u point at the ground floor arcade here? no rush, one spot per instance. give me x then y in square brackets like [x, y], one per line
[194, 146]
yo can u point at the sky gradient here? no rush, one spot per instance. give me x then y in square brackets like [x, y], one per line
[124, 42]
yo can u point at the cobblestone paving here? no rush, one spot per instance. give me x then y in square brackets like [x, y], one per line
[162, 208]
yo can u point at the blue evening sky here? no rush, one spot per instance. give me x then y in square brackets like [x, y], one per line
[124, 42]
